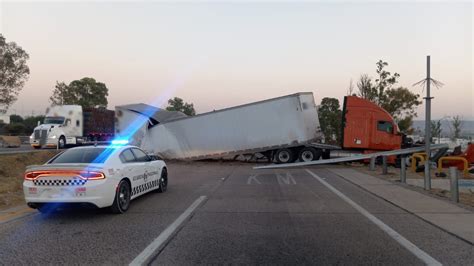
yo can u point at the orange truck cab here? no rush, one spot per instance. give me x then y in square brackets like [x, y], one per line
[368, 127]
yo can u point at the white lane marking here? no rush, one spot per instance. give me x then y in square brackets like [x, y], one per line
[288, 179]
[144, 257]
[425, 257]
[253, 178]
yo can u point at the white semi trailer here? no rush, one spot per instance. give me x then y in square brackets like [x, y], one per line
[283, 129]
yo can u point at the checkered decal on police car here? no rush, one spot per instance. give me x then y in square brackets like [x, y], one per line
[60, 182]
[145, 187]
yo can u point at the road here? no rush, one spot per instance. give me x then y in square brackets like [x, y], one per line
[298, 216]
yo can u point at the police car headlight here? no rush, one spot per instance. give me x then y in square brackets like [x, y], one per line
[53, 137]
[31, 136]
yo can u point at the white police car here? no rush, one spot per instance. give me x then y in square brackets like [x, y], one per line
[105, 176]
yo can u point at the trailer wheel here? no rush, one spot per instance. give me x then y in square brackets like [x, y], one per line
[284, 156]
[327, 154]
[308, 154]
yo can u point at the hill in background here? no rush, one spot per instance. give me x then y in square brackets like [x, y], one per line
[446, 127]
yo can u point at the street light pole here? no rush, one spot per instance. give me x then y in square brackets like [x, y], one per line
[428, 126]
[427, 81]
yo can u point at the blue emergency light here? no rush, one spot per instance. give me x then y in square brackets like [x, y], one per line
[119, 142]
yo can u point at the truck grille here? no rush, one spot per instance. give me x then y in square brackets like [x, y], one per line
[41, 135]
[44, 134]
[37, 134]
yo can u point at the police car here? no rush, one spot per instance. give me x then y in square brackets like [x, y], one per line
[104, 176]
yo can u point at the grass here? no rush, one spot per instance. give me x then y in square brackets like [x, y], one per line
[12, 168]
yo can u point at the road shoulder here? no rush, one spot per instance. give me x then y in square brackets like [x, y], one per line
[449, 217]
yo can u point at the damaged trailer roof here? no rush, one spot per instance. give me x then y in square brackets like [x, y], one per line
[156, 115]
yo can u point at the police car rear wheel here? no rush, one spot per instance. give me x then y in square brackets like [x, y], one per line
[122, 198]
[163, 181]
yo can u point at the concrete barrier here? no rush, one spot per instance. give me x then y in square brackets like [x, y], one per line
[10, 141]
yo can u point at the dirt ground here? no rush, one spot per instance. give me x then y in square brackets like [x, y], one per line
[12, 168]
[394, 176]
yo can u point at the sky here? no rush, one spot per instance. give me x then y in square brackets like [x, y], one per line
[222, 54]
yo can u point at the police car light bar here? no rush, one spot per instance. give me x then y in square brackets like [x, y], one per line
[119, 142]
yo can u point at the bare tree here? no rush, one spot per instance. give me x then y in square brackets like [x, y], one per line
[436, 129]
[350, 90]
[457, 124]
[366, 90]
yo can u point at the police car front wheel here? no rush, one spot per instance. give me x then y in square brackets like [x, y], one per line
[163, 181]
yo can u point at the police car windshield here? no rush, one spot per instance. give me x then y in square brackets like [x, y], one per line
[83, 155]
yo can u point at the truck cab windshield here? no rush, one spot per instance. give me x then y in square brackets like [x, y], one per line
[54, 120]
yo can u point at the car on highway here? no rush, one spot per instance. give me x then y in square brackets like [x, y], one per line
[101, 176]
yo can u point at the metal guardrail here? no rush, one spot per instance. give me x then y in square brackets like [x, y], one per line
[353, 158]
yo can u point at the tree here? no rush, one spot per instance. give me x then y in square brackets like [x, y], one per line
[177, 104]
[15, 128]
[16, 119]
[61, 94]
[31, 122]
[13, 72]
[329, 113]
[405, 125]
[457, 126]
[350, 89]
[86, 92]
[399, 102]
[436, 129]
[366, 89]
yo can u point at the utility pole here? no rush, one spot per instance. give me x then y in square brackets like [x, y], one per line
[427, 81]
[428, 126]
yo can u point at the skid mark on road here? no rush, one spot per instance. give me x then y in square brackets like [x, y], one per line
[423, 256]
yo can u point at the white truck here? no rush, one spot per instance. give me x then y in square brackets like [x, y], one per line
[73, 125]
[283, 129]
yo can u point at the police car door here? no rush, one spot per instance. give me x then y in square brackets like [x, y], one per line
[131, 170]
[147, 182]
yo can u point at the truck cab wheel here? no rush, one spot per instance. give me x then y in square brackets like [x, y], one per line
[284, 156]
[62, 142]
[308, 154]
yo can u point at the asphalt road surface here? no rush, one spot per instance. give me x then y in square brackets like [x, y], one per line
[219, 213]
